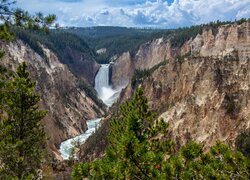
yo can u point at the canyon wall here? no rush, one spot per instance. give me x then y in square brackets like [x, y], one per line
[68, 106]
[81, 64]
[204, 89]
[121, 70]
[148, 55]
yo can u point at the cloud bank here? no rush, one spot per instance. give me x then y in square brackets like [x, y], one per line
[139, 13]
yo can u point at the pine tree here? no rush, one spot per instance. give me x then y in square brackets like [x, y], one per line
[22, 134]
[139, 148]
[135, 150]
[10, 16]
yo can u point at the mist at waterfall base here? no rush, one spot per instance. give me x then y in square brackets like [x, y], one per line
[105, 92]
[107, 95]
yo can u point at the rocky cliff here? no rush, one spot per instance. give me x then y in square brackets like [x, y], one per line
[148, 55]
[68, 106]
[70, 50]
[81, 64]
[122, 70]
[204, 89]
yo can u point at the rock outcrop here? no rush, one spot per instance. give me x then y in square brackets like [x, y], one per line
[152, 53]
[148, 55]
[68, 106]
[228, 38]
[122, 70]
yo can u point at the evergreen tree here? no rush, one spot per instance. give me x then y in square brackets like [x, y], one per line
[10, 16]
[139, 148]
[135, 151]
[22, 134]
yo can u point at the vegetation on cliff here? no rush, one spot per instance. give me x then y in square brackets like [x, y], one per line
[56, 41]
[90, 92]
[118, 40]
[63, 44]
[115, 39]
[140, 75]
[69, 49]
[139, 145]
[140, 148]
[243, 142]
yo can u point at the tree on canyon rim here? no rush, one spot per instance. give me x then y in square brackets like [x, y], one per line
[21, 132]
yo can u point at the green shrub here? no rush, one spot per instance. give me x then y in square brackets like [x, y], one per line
[242, 142]
[140, 75]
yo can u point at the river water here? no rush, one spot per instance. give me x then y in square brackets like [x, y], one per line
[108, 95]
[66, 146]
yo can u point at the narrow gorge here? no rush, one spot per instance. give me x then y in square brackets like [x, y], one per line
[108, 95]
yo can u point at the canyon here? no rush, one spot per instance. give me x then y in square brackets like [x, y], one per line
[124, 90]
[201, 89]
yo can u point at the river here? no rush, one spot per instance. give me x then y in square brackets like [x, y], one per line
[108, 95]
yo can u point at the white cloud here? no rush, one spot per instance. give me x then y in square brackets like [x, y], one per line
[243, 13]
[157, 13]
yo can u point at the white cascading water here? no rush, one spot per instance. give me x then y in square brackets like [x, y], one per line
[107, 95]
[105, 92]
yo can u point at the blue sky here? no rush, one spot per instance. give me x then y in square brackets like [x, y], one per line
[139, 13]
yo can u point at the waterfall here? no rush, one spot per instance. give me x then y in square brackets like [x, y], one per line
[102, 79]
[108, 95]
[105, 92]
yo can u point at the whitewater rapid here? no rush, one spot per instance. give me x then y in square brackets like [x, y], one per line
[108, 95]
[66, 146]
